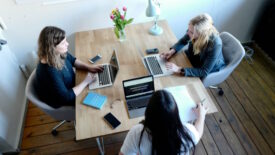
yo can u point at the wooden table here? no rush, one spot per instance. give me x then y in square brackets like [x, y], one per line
[89, 121]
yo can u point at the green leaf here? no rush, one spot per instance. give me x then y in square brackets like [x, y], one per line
[121, 25]
[124, 22]
[116, 32]
[130, 20]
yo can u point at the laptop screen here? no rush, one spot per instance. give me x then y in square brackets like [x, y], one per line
[138, 87]
[114, 67]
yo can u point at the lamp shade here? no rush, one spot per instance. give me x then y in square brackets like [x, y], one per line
[152, 9]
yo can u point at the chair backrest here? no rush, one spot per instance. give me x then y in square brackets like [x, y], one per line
[233, 52]
[62, 113]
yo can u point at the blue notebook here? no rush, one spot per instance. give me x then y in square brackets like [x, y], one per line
[95, 100]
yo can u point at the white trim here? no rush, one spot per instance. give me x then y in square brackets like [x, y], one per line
[138, 81]
[43, 2]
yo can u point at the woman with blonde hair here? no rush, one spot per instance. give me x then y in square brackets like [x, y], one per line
[204, 50]
[55, 77]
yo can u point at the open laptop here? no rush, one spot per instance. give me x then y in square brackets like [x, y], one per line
[156, 65]
[137, 92]
[108, 75]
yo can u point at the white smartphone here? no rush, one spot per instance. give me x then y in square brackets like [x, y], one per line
[95, 59]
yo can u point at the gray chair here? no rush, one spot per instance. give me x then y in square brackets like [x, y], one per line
[63, 114]
[233, 52]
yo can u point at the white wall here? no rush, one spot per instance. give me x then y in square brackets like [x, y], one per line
[12, 100]
[24, 22]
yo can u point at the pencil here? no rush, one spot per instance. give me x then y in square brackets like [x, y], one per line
[201, 102]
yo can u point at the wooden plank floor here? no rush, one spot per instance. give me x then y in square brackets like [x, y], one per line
[245, 123]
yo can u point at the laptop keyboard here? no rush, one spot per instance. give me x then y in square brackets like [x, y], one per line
[103, 76]
[154, 64]
[138, 103]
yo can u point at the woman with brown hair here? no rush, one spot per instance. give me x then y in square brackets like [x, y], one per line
[204, 50]
[55, 77]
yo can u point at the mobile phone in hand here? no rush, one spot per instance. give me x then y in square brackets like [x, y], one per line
[152, 51]
[112, 120]
[95, 59]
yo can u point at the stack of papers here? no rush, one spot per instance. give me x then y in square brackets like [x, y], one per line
[95, 100]
[184, 102]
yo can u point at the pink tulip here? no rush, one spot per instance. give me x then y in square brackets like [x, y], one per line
[112, 16]
[122, 17]
[124, 8]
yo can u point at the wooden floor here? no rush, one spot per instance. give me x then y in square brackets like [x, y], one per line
[245, 123]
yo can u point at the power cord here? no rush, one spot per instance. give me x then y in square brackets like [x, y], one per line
[113, 102]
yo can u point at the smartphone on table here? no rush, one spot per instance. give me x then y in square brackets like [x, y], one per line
[112, 120]
[152, 51]
[95, 59]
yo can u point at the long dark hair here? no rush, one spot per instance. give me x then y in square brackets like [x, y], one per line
[49, 38]
[163, 124]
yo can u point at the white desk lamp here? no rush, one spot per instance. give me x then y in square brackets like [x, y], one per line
[153, 10]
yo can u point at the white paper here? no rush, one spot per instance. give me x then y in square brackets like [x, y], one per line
[184, 102]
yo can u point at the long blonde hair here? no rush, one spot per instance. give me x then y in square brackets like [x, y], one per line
[203, 26]
[49, 38]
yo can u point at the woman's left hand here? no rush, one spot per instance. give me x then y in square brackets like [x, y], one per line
[95, 69]
[173, 67]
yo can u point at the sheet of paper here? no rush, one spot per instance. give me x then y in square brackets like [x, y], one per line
[184, 102]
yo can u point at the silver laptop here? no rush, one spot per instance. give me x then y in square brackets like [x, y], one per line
[156, 65]
[137, 92]
[108, 75]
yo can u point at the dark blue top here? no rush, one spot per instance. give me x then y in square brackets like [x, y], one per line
[53, 86]
[207, 61]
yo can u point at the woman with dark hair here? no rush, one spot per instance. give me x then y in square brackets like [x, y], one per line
[162, 132]
[55, 77]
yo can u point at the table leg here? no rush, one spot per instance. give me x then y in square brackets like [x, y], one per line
[102, 142]
[100, 145]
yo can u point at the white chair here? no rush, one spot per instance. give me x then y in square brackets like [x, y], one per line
[63, 114]
[233, 52]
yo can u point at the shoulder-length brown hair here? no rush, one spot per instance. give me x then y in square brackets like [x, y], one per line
[203, 26]
[49, 38]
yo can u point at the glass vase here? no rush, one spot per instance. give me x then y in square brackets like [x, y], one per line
[121, 35]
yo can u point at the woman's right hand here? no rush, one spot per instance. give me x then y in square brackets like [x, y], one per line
[80, 87]
[167, 55]
[89, 78]
[200, 110]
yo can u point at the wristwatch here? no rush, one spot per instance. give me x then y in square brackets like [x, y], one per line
[182, 71]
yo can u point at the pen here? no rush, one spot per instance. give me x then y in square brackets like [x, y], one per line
[201, 102]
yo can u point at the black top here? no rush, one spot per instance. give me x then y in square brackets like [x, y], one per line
[53, 86]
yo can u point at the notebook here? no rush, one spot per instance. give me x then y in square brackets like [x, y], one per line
[95, 100]
[184, 102]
